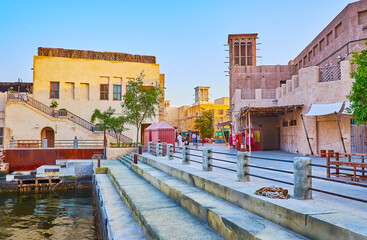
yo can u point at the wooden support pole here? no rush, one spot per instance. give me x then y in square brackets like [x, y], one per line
[308, 139]
[340, 132]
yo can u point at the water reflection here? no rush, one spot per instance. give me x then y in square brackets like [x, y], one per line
[55, 215]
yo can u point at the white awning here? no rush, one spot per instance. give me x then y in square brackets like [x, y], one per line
[325, 109]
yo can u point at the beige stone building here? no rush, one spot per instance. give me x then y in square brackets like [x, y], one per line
[300, 106]
[183, 117]
[80, 82]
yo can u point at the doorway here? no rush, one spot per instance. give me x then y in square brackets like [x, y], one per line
[49, 134]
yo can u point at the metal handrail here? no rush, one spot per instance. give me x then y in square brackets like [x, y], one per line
[70, 116]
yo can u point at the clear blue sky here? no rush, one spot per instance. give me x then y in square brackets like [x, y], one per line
[187, 37]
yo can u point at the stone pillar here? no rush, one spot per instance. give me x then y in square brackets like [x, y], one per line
[170, 151]
[44, 143]
[302, 178]
[150, 147]
[243, 170]
[158, 149]
[185, 155]
[207, 159]
[75, 143]
[12, 142]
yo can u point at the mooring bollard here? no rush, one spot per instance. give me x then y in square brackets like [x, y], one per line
[185, 155]
[302, 178]
[140, 147]
[135, 158]
[99, 162]
[170, 151]
[207, 159]
[243, 170]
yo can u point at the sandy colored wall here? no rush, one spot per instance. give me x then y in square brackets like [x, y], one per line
[21, 121]
[116, 153]
[306, 89]
[73, 73]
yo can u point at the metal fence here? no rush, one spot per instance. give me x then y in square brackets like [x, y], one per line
[247, 94]
[196, 156]
[268, 93]
[330, 73]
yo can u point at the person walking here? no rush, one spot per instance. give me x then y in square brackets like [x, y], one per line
[197, 140]
[193, 140]
[179, 140]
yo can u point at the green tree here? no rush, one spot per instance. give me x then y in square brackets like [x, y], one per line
[204, 124]
[358, 94]
[106, 121]
[140, 102]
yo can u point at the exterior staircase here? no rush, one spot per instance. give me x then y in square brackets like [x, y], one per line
[62, 113]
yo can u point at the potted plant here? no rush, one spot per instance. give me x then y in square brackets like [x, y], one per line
[54, 104]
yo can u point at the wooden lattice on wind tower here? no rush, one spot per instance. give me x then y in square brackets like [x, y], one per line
[242, 49]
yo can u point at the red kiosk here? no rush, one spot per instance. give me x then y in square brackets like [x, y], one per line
[148, 134]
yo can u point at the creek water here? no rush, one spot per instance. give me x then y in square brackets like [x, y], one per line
[48, 215]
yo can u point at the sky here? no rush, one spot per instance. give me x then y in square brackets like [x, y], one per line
[187, 37]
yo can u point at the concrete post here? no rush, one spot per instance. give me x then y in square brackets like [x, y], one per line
[158, 149]
[170, 151]
[243, 170]
[302, 178]
[185, 155]
[150, 147]
[207, 159]
[12, 142]
[75, 143]
[44, 143]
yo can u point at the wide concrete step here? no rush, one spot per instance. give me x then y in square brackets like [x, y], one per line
[229, 220]
[158, 215]
[308, 218]
[120, 222]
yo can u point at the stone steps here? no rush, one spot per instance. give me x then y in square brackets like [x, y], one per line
[308, 218]
[158, 215]
[229, 220]
[120, 223]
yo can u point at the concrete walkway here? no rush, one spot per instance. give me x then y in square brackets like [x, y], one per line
[339, 204]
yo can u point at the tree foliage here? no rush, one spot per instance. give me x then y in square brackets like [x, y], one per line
[358, 94]
[204, 124]
[140, 102]
[106, 121]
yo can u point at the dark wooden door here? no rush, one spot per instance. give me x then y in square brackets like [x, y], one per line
[50, 135]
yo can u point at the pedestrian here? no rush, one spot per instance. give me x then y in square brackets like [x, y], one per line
[198, 140]
[230, 141]
[193, 139]
[179, 140]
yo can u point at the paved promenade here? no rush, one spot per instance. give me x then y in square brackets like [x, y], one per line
[329, 201]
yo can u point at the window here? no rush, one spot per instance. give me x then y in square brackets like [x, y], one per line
[1, 136]
[293, 122]
[116, 92]
[309, 56]
[54, 90]
[104, 92]
[220, 112]
[285, 123]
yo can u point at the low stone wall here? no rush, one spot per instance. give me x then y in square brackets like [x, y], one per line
[116, 153]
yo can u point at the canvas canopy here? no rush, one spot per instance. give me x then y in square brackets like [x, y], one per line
[325, 109]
